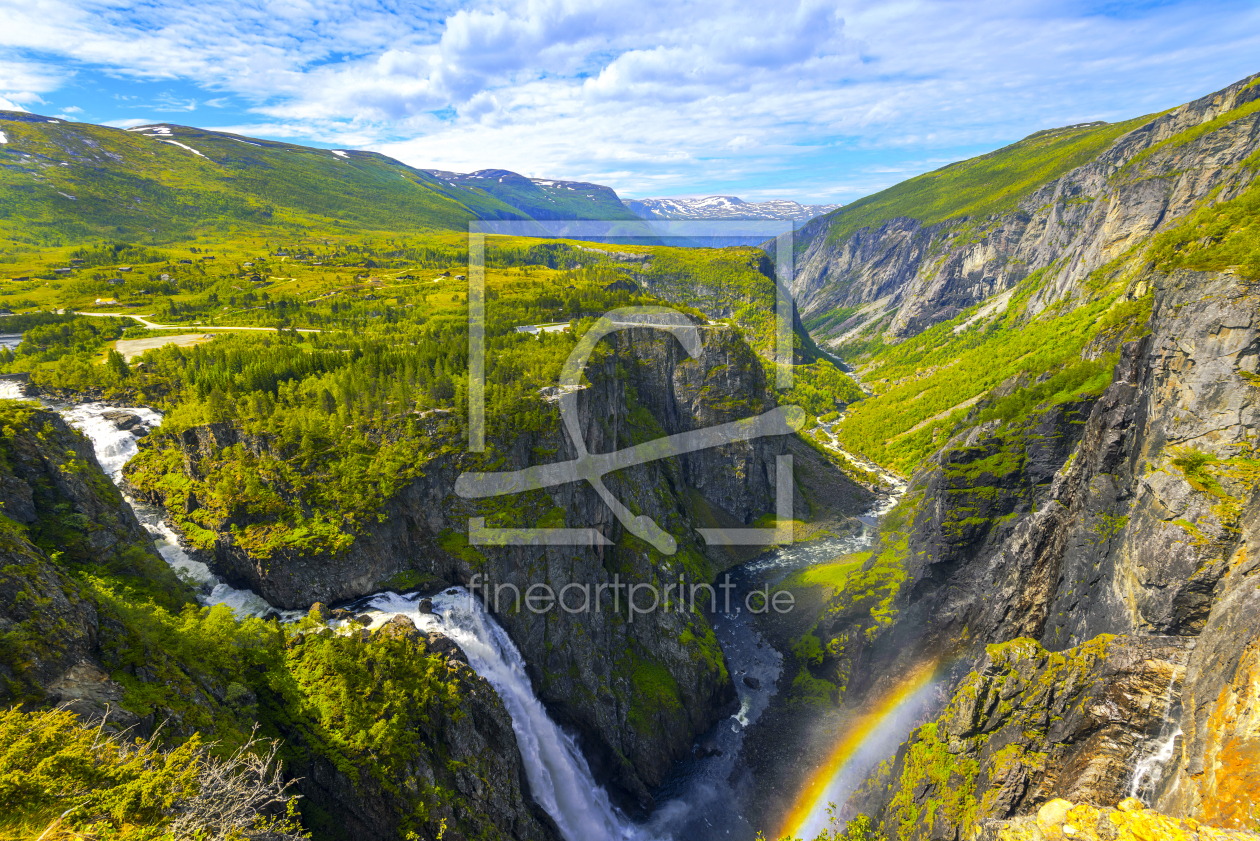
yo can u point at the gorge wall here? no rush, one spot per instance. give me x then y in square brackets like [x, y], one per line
[637, 688]
[1082, 574]
[902, 276]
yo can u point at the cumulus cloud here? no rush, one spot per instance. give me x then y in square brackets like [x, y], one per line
[651, 97]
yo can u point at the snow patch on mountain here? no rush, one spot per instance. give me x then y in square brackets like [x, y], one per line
[725, 207]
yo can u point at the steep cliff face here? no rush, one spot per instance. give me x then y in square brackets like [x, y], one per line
[1109, 514]
[60, 514]
[1215, 769]
[1025, 727]
[900, 276]
[92, 618]
[1124, 513]
[638, 688]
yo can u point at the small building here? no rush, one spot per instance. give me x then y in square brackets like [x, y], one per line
[115, 281]
[124, 268]
[247, 265]
[76, 262]
[165, 278]
[186, 262]
[106, 302]
[63, 271]
[208, 257]
[18, 279]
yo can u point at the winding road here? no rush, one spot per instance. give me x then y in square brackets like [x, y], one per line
[198, 327]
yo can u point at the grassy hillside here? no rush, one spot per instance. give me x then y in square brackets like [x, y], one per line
[980, 186]
[64, 183]
[542, 198]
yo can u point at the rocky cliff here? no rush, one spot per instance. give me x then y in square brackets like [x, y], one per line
[638, 689]
[92, 618]
[1122, 514]
[1214, 773]
[898, 275]
[62, 519]
[1104, 530]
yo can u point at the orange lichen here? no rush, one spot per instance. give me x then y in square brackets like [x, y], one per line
[1060, 820]
[1229, 787]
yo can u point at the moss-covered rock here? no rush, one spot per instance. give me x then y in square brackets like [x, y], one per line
[1062, 820]
[1025, 727]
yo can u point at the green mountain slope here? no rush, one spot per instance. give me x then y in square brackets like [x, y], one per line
[69, 182]
[984, 185]
[542, 198]
[63, 183]
[1066, 201]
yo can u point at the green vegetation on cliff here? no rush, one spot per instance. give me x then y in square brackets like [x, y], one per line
[984, 185]
[925, 386]
[60, 779]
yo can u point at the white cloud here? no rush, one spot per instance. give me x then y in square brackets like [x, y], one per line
[683, 96]
[167, 102]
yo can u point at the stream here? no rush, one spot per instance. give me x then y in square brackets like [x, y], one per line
[114, 447]
[697, 802]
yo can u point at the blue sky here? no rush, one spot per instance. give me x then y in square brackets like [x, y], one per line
[816, 101]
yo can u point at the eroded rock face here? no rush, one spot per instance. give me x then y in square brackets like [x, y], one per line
[1215, 776]
[482, 793]
[1025, 727]
[926, 274]
[637, 691]
[1135, 522]
[1128, 821]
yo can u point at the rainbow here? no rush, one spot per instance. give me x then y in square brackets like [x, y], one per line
[835, 779]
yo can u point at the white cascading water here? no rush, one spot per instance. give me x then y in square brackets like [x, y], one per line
[114, 447]
[559, 778]
[1150, 769]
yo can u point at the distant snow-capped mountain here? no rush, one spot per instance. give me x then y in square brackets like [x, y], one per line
[725, 207]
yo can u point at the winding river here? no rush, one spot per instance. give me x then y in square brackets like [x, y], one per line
[697, 802]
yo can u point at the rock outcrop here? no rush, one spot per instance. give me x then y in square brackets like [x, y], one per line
[1214, 774]
[1025, 727]
[638, 689]
[452, 767]
[1126, 514]
[1059, 820]
[911, 275]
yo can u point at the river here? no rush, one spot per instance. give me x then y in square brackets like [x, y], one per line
[697, 802]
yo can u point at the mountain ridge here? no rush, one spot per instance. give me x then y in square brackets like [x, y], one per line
[725, 207]
[919, 253]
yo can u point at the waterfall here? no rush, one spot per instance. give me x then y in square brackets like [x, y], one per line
[559, 778]
[1150, 769]
[114, 447]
